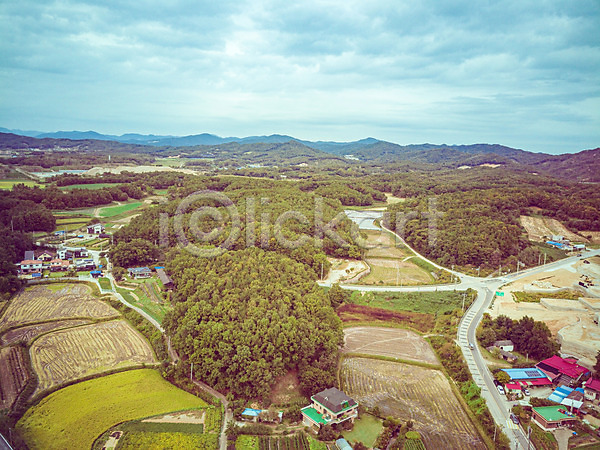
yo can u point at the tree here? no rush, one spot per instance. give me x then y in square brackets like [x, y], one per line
[233, 430]
[133, 253]
[337, 295]
[502, 377]
[597, 365]
[326, 433]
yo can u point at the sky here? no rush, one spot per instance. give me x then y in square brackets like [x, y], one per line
[523, 73]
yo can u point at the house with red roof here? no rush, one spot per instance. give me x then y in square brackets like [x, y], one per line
[592, 389]
[562, 371]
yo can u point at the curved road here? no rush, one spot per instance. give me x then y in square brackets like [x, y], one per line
[486, 288]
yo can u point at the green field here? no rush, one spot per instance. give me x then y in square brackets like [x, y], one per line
[366, 429]
[8, 184]
[435, 303]
[169, 162]
[156, 310]
[111, 211]
[150, 440]
[92, 186]
[105, 283]
[55, 423]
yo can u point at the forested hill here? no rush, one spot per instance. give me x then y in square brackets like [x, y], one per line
[282, 150]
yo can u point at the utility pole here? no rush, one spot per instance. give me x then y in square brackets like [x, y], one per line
[529, 437]
[321, 271]
[191, 370]
[539, 259]
[544, 258]
[463, 305]
[478, 269]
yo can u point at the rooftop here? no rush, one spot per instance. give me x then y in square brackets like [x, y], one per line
[313, 415]
[525, 374]
[334, 400]
[139, 269]
[504, 342]
[593, 383]
[553, 413]
[567, 367]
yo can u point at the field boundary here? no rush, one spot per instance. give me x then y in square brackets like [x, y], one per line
[381, 324]
[395, 360]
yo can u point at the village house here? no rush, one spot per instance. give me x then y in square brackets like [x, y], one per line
[164, 278]
[592, 389]
[29, 255]
[552, 417]
[45, 256]
[140, 272]
[506, 345]
[562, 370]
[530, 377]
[329, 407]
[70, 253]
[30, 266]
[57, 265]
[97, 228]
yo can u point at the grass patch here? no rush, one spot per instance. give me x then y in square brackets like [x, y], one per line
[101, 403]
[139, 298]
[246, 442]
[91, 186]
[366, 429]
[111, 211]
[105, 283]
[163, 427]
[436, 303]
[535, 297]
[149, 440]
[8, 184]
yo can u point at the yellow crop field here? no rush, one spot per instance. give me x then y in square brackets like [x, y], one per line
[55, 301]
[74, 353]
[75, 416]
[412, 393]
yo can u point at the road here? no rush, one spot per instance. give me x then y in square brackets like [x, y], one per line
[486, 288]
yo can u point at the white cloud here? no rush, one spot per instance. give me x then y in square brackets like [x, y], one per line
[522, 73]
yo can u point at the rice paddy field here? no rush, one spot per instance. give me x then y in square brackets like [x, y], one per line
[56, 423]
[111, 211]
[414, 393]
[92, 186]
[8, 184]
[74, 353]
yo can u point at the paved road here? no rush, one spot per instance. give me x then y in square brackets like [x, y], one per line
[486, 287]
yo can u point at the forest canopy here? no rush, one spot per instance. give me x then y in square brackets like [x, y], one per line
[247, 317]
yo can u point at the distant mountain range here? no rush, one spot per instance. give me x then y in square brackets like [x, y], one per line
[582, 166]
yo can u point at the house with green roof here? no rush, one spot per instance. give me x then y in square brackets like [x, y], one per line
[329, 407]
[552, 417]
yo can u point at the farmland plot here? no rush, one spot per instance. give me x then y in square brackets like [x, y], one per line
[74, 353]
[13, 375]
[410, 392]
[57, 301]
[29, 333]
[393, 342]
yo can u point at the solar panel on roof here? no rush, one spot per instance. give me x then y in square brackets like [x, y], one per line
[532, 373]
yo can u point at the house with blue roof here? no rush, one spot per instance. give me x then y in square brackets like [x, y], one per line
[528, 377]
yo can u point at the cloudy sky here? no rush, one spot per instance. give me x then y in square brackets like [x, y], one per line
[520, 73]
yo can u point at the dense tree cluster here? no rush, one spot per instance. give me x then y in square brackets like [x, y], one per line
[248, 316]
[273, 215]
[24, 215]
[136, 252]
[54, 198]
[530, 337]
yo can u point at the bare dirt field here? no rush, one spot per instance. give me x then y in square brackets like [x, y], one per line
[28, 333]
[136, 169]
[593, 236]
[538, 227]
[571, 321]
[74, 353]
[192, 416]
[393, 342]
[13, 375]
[344, 269]
[54, 301]
[390, 262]
[412, 393]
